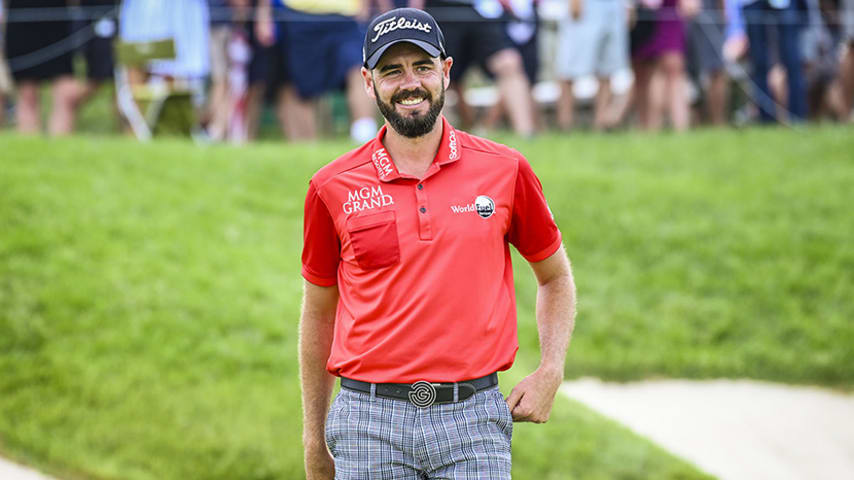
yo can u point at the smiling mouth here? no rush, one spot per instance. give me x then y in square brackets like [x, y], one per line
[411, 101]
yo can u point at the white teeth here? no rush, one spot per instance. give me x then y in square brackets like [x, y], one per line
[412, 101]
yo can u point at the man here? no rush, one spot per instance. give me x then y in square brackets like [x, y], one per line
[5, 79]
[475, 35]
[320, 43]
[705, 44]
[786, 18]
[409, 286]
[594, 40]
[847, 64]
[25, 39]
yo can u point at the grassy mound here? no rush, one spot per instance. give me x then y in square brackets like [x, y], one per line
[149, 294]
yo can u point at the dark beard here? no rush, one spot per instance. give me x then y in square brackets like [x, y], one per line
[411, 126]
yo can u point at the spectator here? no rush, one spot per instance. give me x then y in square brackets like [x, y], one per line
[593, 40]
[219, 108]
[474, 34]
[705, 45]
[522, 29]
[98, 29]
[322, 51]
[267, 70]
[821, 49]
[658, 60]
[40, 51]
[846, 75]
[785, 18]
[5, 81]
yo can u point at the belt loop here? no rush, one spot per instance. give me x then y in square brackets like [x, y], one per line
[456, 392]
[373, 392]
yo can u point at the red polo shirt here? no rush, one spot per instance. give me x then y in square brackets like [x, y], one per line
[423, 267]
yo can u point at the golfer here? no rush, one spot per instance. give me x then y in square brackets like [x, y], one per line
[409, 293]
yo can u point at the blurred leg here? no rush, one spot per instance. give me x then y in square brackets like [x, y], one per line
[834, 101]
[219, 111]
[657, 99]
[755, 24]
[672, 66]
[789, 36]
[847, 79]
[512, 84]
[493, 115]
[254, 102]
[602, 105]
[27, 108]
[716, 97]
[778, 88]
[66, 91]
[363, 123]
[297, 115]
[565, 106]
[641, 92]
[464, 110]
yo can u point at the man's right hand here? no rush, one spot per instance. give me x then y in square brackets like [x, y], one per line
[318, 462]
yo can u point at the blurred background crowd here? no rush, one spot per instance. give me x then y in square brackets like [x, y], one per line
[212, 67]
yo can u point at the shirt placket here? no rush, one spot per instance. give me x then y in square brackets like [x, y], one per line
[425, 227]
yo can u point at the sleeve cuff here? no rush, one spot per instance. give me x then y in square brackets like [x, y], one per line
[546, 252]
[318, 280]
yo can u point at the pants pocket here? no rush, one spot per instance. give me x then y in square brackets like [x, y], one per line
[506, 417]
[332, 426]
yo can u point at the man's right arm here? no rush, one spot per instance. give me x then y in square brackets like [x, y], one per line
[317, 323]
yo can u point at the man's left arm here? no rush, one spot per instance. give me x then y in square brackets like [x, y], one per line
[531, 400]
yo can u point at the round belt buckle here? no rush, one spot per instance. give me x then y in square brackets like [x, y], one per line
[422, 394]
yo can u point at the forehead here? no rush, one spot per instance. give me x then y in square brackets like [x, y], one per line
[403, 52]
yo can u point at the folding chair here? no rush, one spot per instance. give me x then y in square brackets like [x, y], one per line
[158, 106]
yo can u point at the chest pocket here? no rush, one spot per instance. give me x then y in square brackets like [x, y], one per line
[374, 239]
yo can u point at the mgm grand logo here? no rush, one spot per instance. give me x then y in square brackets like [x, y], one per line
[366, 198]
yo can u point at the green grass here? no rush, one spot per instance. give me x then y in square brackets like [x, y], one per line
[149, 293]
[717, 254]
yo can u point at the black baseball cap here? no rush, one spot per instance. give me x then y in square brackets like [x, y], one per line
[402, 25]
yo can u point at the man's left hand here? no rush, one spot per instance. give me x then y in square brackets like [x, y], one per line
[531, 400]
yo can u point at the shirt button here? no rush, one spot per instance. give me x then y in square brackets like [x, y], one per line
[420, 187]
[423, 210]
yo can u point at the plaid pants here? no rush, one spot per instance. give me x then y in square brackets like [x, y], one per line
[381, 438]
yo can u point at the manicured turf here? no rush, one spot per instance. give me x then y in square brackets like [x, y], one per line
[149, 293]
[715, 254]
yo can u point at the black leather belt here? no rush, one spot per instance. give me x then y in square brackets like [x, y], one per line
[422, 394]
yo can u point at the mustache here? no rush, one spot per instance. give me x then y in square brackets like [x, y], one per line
[418, 92]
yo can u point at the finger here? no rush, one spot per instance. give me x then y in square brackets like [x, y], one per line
[521, 412]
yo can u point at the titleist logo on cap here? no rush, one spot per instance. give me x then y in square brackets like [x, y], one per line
[401, 23]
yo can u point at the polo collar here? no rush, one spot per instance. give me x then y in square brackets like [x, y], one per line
[449, 152]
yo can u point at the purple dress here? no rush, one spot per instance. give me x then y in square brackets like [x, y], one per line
[667, 36]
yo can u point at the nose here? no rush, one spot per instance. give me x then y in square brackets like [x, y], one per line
[409, 80]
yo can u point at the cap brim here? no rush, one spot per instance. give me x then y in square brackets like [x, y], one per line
[372, 61]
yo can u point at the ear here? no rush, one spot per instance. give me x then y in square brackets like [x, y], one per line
[369, 82]
[446, 70]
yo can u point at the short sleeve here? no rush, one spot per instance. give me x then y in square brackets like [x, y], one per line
[533, 230]
[321, 248]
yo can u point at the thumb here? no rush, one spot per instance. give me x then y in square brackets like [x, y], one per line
[514, 398]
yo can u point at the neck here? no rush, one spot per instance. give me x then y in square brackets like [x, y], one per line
[413, 156]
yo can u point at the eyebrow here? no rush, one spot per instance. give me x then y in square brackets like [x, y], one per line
[392, 66]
